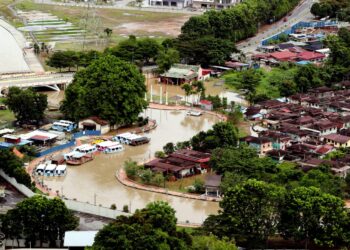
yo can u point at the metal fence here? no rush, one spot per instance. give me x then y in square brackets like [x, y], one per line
[69, 144]
[296, 26]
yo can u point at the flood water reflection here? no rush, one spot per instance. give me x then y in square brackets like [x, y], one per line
[96, 180]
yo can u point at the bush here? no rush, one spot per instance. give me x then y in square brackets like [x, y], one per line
[158, 179]
[159, 154]
[113, 206]
[126, 209]
[198, 185]
[146, 176]
[131, 169]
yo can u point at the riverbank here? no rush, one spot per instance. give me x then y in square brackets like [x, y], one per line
[123, 179]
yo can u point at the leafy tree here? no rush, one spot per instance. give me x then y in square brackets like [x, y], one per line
[153, 227]
[146, 176]
[147, 50]
[131, 169]
[27, 105]
[323, 179]
[213, 243]
[109, 88]
[251, 211]
[63, 59]
[169, 148]
[126, 49]
[308, 77]
[166, 58]
[223, 134]
[158, 179]
[13, 166]
[198, 185]
[312, 216]
[49, 217]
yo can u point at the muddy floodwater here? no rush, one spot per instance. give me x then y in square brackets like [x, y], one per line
[95, 181]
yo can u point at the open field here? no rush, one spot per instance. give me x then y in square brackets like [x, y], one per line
[94, 21]
[6, 116]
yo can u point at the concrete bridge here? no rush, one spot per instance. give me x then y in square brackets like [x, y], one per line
[50, 80]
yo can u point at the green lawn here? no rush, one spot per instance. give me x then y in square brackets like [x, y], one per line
[6, 116]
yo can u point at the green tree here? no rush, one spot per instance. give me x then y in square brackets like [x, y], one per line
[309, 215]
[27, 105]
[308, 77]
[147, 50]
[251, 211]
[146, 176]
[13, 166]
[63, 59]
[126, 49]
[166, 58]
[169, 148]
[109, 88]
[223, 134]
[49, 217]
[131, 169]
[153, 227]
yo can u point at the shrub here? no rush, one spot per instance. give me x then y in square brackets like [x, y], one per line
[146, 176]
[131, 169]
[158, 179]
[113, 206]
[198, 185]
[126, 209]
[159, 154]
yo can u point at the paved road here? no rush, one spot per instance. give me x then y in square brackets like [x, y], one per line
[300, 13]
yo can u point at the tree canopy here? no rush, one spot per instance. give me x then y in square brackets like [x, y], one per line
[109, 88]
[27, 105]
[153, 227]
[39, 218]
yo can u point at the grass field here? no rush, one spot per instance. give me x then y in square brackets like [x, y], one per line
[122, 22]
[6, 116]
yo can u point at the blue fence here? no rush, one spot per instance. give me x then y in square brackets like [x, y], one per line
[71, 143]
[296, 26]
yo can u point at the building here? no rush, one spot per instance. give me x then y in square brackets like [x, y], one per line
[337, 140]
[39, 137]
[95, 123]
[182, 73]
[212, 185]
[261, 144]
[13, 140]
[182, 163]
[168, 3]
[206, 105]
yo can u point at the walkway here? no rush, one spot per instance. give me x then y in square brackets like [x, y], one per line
[14, 58]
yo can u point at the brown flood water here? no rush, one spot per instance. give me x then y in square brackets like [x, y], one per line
[96, 179]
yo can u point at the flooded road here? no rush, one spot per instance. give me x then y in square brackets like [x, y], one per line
[95, 181]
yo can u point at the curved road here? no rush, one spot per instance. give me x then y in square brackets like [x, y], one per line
[300, 13]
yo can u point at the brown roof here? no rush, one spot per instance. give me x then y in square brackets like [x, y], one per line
[337, 138]
[257, 140]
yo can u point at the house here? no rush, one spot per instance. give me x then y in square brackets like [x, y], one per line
[182, 73]
[321, 92]
[279, 140]
[261, 144]
[206, 105]
[182, 163]
[95, 123]
[212, 185]
[40, 137]
[311, 56]
[79, 240]
[13, 140]
[323, 128]
[337, 140]
[284, 56]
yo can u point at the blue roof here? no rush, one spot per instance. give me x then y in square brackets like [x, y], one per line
[6, 145]
[303, 62]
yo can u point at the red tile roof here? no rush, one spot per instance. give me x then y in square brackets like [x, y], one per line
[337, 138]
[205, 102]
[308, 55]
[284, 55]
